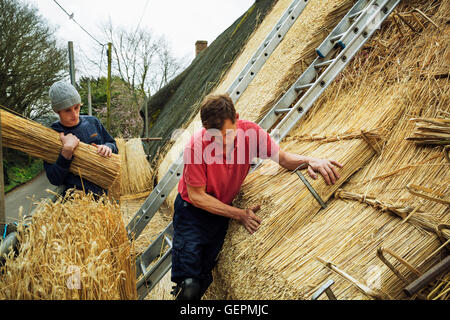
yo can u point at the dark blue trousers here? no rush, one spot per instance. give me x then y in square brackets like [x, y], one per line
[198, 238]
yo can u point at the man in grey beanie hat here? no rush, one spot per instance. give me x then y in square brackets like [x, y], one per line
[63, 95]
[73, 128]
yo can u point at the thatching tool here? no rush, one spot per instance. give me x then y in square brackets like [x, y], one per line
[359, 285]
[308, 185]
[325, 288]
[380, 254]
[420, 283]
[354, 30]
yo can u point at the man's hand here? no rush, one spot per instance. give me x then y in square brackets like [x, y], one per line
[69, 144]
[326, 169]
[104, 151]
[251, 221]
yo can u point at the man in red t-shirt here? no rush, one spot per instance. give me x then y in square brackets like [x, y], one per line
[216, 161]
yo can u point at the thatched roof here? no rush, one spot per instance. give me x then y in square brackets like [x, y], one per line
[396, 77]
[362, 120]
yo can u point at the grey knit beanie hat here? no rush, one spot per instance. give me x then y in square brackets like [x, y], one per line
[63, 95]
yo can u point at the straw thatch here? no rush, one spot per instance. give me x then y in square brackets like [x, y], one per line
[441, 291]
[285, 64]
[44, 143]
[74, 248]
[298, 247]
[431, 131]
[140, 176]
[136, 176]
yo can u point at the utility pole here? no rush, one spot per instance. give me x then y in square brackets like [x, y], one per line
[108, 90]
[89, 98]
[146, 124]
[71, 64]
[2, 186]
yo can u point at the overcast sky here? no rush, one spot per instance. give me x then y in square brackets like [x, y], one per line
[182, 22]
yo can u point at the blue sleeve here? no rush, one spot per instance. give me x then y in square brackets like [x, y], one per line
[107, 139]
[58, 171]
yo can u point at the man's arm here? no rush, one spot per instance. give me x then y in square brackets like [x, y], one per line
[202, 200]
[57, 172]
[325, 167]
[108, 139]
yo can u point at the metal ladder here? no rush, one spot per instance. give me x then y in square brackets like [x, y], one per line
[151, 275]
[335, 52]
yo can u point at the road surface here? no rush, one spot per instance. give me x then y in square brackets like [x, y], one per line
[23, 196]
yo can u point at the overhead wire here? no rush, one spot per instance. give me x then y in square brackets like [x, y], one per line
[71, 17]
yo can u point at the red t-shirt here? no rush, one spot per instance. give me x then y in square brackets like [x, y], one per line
[206, 164]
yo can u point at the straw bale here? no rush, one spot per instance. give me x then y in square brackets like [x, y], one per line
[124, 180]
[391, 81]
[74, 248]
[281, 69]
[44, 143]
[139, 173]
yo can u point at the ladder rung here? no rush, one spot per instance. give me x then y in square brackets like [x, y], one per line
[336, 37]
[278, 111]
[355, 15]
[303, 87]
[324, 64]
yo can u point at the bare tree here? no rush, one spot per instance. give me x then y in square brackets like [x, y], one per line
[30, 60]
[144, 61]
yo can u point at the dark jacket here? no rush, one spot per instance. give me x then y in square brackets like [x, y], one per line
[88, 130]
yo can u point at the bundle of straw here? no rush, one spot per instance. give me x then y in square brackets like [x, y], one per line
[44, 143]
[124, 182]
[431, 131]
[136, 176]
[74, 248]
[139, 173]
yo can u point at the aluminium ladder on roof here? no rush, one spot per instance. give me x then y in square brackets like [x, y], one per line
[341, 45]
[266, 48]
[335, 52]
[171, 178]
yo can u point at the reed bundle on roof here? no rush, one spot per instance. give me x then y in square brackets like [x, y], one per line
[74, 248]
[392, 80]
[44, 143]
[431, 131]
[140, 176]
[136, 176]
[124, 181]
